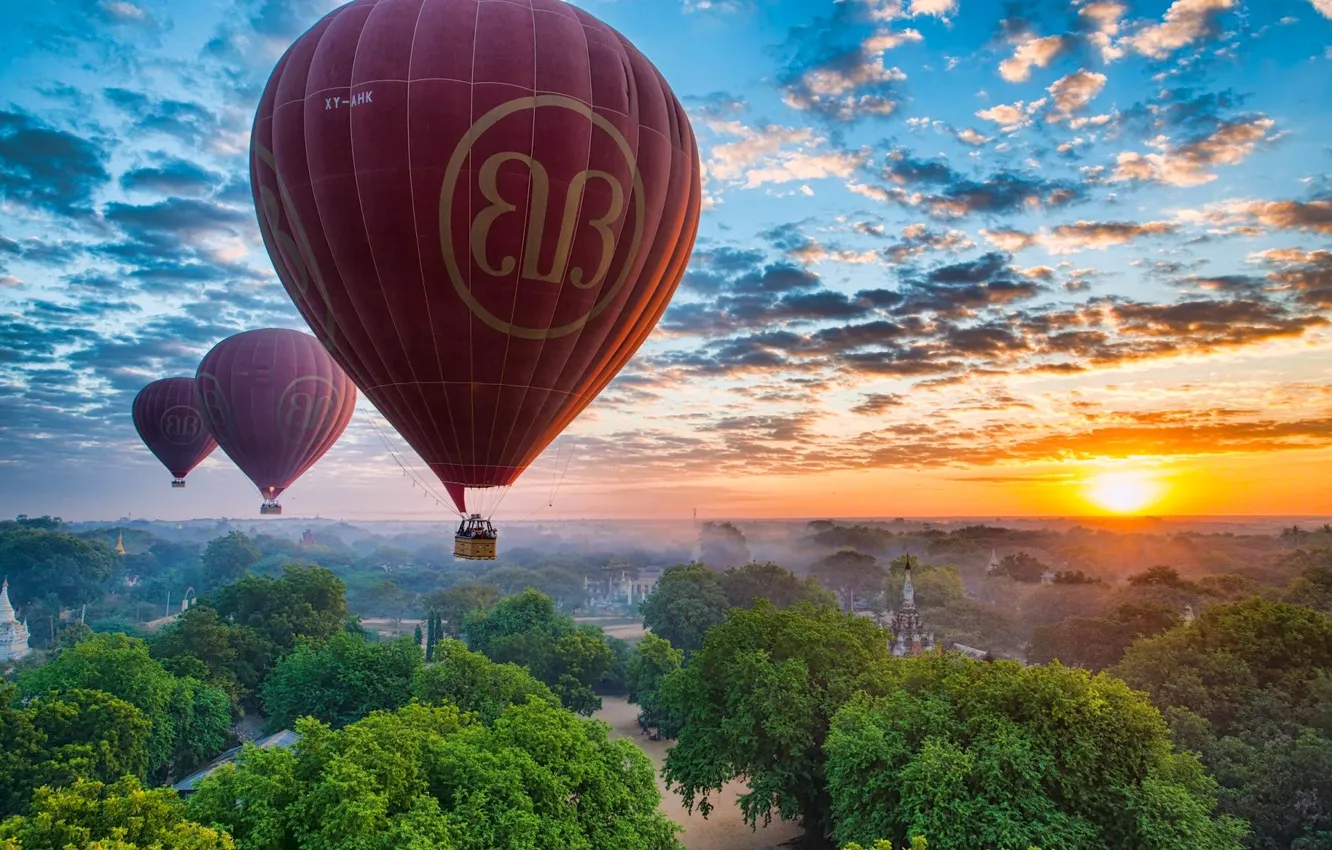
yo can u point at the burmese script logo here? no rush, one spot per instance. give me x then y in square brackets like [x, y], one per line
[624, 202]
[181, 425]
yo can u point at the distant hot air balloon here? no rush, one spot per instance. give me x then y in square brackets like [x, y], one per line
[481, 208]
[170, 425]
[275, 402]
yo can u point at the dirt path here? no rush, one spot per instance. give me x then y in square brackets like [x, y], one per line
[724, 829]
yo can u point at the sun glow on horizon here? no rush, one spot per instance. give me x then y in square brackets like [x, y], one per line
[1124, 492]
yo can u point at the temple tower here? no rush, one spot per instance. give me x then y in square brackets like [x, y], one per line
[910, 637]
[13, 634]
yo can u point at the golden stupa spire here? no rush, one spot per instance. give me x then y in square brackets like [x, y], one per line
[120, 543]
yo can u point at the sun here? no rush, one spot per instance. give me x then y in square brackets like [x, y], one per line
[1123, 492]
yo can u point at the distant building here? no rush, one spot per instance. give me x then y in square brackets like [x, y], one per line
[908, 630]
[1048, 576]
[284, 739]
[1188, 614]
[307, 538]
[120, 543]
[970, 651]
[993, 566]
[13, 634]
[623, 585]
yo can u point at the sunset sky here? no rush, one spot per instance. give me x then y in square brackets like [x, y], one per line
[960, 257]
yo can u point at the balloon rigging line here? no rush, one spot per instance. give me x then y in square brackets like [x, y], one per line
[559, 483]
[428, 492]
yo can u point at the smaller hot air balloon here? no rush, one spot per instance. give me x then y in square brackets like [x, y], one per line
[275, 402]
[170, 425]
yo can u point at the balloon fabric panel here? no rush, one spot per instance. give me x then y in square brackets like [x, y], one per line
[481, 208]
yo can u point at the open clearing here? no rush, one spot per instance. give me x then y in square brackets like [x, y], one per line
[724, 829]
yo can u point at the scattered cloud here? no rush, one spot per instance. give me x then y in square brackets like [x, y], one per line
[1190, 164]
[1185, 22]
[1031, 52]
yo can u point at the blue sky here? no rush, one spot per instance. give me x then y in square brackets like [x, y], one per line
[958, 257]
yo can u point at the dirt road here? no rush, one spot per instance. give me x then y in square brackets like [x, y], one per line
[724, 829]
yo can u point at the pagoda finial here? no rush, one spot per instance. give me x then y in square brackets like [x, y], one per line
[908, 589]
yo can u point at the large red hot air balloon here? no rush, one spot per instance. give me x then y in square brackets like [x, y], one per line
[170, 425]
[481, 207]
[275, 402]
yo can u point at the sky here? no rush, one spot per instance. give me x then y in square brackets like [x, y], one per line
[958, 257]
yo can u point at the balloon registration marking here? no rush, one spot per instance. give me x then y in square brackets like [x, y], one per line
[181, 425]
[479, 232]
[298, 409]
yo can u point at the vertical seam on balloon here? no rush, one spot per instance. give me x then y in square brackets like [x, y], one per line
[491, 454]
[503, 457]
[568, 416]
[464, 469]
[360, 210]
[439, 442]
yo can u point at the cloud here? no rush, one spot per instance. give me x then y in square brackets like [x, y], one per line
[1080, 236]
[853, 84]
[47, 169]
[874, 404]
[918, 239]
[1071, 93]
[773, 154]
[1031, 52]
[1011, 116]
[971, 136]
[171, 176]
[1185, 22]
[1189, 164]
[1324, 7]
[1104, 17]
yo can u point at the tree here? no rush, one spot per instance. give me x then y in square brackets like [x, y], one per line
[687, 601]
[1002, 755]
[1248, 685]
[652, 661]
[936, 587]
[341, 681]
[1099, 642]
[200, 643]
[526, 629]
[746, 585]
[306, 602]
[756, 702]
[92, 815]
[392, 601]
[474, 683]
[1021, 566]
[41, 561]
[849, 574]
[722, 546]
[190, 720]
[228, 558]
[454, 604]
[1313, 589]
[59, 737]
[426, 777]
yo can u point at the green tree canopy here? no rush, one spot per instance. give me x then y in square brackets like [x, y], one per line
[190, 720]
[91, 815]
[340, 681]
[307, 602]
[1021, 566]
[455, 603]
[1001, 755]
[42, 561]
[653, 659]
[687, 601]
[474, 683]
[756, 702]
[202, 644]
[722, 545]
[852, 575]
[746, 585]
[56, 738]
[1098, 642]
[526, 629]
[229, 558]
[424, 778]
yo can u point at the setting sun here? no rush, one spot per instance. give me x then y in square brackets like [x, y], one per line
[1123, 492]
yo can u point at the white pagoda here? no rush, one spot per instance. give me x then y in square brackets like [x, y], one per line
[13, 634]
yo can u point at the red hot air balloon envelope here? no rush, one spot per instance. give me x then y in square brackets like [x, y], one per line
[170, 425]
[481, 208]
[275, 402]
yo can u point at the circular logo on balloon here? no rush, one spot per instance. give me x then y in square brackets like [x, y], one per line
[181, 425]
[539, 224]
[212, 403]
[303, 406]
